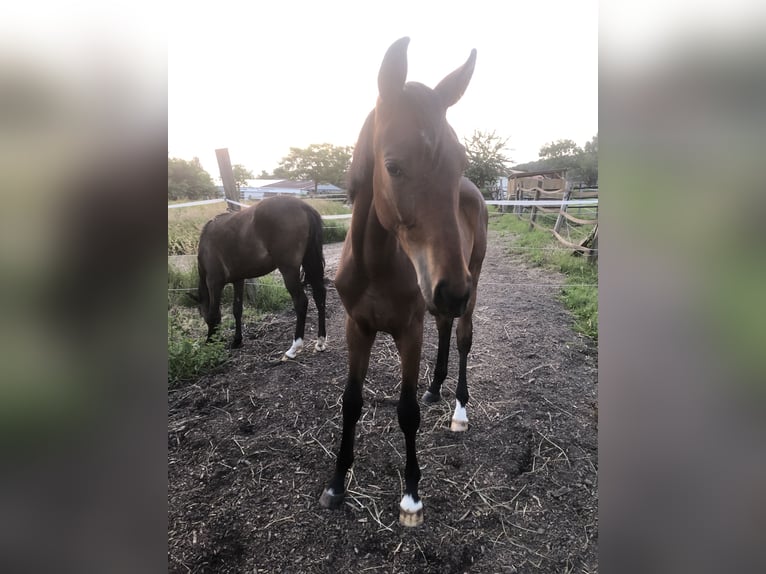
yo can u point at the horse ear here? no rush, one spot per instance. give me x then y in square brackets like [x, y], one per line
[393, 70]
[452, 87]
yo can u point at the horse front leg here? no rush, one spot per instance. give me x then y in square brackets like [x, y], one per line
[444, 326]
[359, 342]
[409, 344]
[239, 291]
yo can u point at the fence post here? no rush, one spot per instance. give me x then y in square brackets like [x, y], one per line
[227, 177]
[518, 195]
[533, 217]
[563, 210]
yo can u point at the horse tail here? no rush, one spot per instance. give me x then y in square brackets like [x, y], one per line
[203, 295]
[313, 259]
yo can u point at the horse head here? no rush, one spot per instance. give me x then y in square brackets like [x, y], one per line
[417, 173]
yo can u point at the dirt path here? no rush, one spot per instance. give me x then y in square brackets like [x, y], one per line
[250, 448]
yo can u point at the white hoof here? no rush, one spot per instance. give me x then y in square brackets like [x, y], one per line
[458, 426]
[294, 350]
[321, 344]
[410, 512]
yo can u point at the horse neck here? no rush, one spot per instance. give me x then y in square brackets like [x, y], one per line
[367, 230]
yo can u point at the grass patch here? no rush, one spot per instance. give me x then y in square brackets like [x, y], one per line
[189, 356]
[541, 249]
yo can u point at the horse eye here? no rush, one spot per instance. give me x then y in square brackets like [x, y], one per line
[393, 169]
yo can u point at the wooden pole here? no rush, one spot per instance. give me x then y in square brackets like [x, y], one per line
[227, 177]
[563, 210]
[533, 217]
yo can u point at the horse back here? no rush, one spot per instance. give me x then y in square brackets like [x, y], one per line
[273, 234]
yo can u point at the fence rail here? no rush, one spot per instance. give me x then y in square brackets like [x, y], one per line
[588, 246]
[535, 206]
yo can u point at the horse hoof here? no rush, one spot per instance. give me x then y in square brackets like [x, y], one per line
[321, 344]
[331, 500]
[236, 344]
[410, 519]
[431, 398]
[458, 426]
[293, 351]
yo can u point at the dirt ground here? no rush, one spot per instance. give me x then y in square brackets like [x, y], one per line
[251, 448]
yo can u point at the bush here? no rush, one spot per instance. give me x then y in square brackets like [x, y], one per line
[334, 231]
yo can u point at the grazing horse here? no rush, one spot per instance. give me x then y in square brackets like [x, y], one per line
[417, 241]
[280, 232]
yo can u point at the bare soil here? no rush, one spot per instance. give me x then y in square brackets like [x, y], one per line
[251, 447]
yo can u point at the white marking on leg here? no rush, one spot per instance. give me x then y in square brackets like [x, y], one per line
[460, 414]
[408, 504]
[459, 419]
[321, 344]
[295, 349]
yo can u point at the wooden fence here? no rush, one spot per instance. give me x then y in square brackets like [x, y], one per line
[553, 188]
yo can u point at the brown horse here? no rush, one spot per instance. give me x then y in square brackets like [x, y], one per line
[417, 242]
[282, 233]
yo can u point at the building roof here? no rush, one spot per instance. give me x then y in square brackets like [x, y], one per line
[518, 174]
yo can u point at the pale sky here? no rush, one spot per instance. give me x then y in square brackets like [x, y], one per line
[261, 77]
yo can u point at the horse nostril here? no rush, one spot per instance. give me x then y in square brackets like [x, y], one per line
[449, 302]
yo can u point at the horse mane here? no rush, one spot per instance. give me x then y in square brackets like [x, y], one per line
[363, 160]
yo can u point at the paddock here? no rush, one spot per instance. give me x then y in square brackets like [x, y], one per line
[251, 447]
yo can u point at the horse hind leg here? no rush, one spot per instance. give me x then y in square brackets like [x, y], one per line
[444, 327]
[213, 312]
[319, 292]
[464, 343]
[239, 290]
[300, 305]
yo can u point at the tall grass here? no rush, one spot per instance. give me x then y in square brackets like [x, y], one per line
[266, 293]
[540, 248]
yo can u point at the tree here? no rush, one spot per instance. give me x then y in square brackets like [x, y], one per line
[486, 161]
[560, 149]
[588, 162]
[321, 163]
[582, 163]
[241, 174]
[187, 180]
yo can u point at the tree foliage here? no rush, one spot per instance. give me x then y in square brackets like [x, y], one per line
[241, 174]
[487, 161]
[321, 163]
[187, 180]
[582, 163]
[558, 150]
